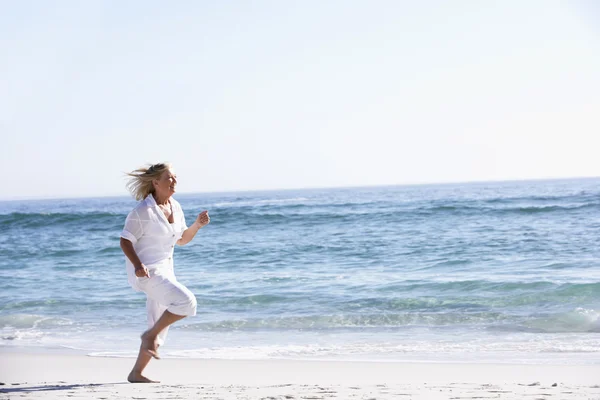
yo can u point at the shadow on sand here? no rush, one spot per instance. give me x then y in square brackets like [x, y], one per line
[52, 387]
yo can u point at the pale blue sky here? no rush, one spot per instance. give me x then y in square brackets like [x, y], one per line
[244, 95]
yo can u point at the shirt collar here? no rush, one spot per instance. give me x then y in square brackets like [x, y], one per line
[150, 200]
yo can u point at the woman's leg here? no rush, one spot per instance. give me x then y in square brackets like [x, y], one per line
[154, 310]
[168, 302]
[149, 346]
[143, 358]
[150, 340]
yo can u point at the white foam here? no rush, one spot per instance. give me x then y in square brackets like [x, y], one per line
[523, 349]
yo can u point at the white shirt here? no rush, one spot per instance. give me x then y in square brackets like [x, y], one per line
[152, 235]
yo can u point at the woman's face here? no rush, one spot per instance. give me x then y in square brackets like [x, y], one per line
[165, 185]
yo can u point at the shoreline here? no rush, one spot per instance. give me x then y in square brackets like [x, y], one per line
[483, 358]
[33, 375]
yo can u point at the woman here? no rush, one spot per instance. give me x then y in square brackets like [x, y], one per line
[148, 239]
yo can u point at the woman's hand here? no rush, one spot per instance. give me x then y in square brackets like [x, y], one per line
[141, 271]
[203, 219]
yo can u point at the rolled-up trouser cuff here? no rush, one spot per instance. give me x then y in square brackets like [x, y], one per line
[165, 293]
[185, 307]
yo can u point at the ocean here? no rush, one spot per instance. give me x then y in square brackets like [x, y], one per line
[480, 272]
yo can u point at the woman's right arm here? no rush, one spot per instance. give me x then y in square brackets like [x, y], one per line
[140, 269]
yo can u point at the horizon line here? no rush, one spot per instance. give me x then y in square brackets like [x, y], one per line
[75, 197]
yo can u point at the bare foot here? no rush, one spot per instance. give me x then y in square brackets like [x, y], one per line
[136, 377]
[150, 345]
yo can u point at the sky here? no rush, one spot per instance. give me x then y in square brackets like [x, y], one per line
[261, 95]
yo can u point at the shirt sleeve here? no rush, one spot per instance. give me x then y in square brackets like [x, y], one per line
[133, 229]
[183, 224]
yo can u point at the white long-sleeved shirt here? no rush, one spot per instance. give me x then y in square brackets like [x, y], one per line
[152, 235]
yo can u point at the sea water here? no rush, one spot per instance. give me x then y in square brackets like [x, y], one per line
[484, 272]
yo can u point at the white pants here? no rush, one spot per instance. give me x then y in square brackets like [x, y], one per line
[165, 293]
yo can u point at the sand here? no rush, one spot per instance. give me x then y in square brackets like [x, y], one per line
[48, 376]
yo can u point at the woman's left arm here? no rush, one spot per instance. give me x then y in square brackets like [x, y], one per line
[201, 221]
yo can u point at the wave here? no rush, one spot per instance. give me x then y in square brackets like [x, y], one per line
[386, 211]
[101, 302]
[295, 211]
[487, 286]
[302, 287]
[83, 219]
[576, 197]
[261, 203]
[577, 321]
[414, 298]
[515, 209]
[32, 321]
[345, 321]
[547, 209]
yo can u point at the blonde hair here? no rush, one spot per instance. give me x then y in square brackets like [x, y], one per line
[140, 184]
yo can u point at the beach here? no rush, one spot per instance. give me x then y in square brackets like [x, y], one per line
[425, 292]
[64, 376]
[38, 375]
[300, 200]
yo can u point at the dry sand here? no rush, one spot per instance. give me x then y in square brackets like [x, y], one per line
[31, 376]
